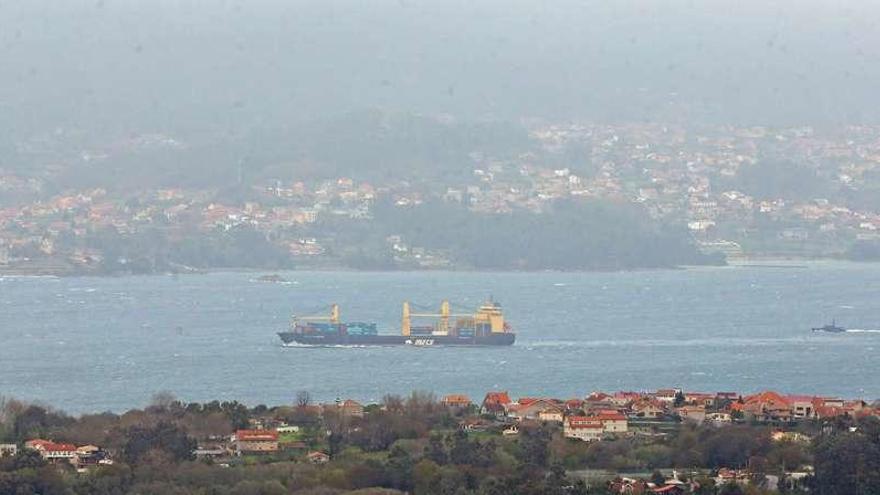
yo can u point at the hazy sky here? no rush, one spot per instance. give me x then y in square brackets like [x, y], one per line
[104, 64]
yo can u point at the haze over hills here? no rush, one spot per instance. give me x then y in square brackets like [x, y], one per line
[230, 67]
[125, 125]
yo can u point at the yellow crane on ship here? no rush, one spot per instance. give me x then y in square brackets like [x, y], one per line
[333, 317]
[488, 314]
[486, 326]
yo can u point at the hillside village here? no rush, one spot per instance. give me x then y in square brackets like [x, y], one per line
[713, 181]
[328, 434]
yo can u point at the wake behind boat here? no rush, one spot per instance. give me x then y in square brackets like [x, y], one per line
[486, 327]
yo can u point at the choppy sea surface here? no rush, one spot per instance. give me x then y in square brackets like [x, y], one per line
[95, 344]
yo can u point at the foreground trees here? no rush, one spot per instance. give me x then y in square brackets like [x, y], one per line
[848, 460]
[414, 445]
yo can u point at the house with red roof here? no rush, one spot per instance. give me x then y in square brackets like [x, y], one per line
[624, 399]
[648, 409]
[351, 409]
[669, 489]
[52, 451]
[612, 422]
[699, 399]
[574, 404]
[582, 428]
[801, 406]
[766, 406]
[693, 414]
[727, 476]
[255, 442]
[628, 486]
[832, 408]
[727, 396]
[456, 401]
[667, 394]
[535, 409]
[592, 427]
[496, 403]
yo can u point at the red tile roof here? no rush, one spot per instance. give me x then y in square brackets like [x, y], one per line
[50, 446]
[767, 397]
[456, 399]
[256, 436]
[497, 398]
[598, 397]
[606, 416]
[584, 422]
[668, 489]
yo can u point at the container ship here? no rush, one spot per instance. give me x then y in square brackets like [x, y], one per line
[485, 327]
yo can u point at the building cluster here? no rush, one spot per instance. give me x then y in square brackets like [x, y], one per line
[59, 227]
[696, 177]
[270, 436]
[690, 176]
[80, 457]
[601, 415]
[597, 417]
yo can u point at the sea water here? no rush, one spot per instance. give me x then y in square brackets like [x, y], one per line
[94, 344]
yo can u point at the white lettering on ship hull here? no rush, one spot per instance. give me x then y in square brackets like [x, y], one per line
[420, 342]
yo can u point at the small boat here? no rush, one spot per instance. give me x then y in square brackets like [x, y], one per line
[832, 328]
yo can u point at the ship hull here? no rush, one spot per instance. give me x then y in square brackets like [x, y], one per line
[498, 339]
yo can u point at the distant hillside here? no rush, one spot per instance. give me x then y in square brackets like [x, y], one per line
[578, 235]
[369, 145]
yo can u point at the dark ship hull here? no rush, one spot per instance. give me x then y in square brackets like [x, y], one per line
[830, 329]
[497, 339]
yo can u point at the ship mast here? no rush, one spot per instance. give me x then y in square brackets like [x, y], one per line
[405, 320]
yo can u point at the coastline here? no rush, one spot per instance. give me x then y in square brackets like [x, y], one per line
[778, 262]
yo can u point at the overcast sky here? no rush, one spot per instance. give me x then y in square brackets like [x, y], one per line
[197, 64]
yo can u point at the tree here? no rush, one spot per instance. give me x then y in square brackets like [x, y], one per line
[166, 438]
[163, 401]
[733, 446]
[731, 488]
[426, 475]
[36, 421]
[534, 443]
[461, 450]
[400, 469]
[303, 399]
[678, 401]
[106, 480]
[847, 463]
[435, 451]
[24, 459]
[237, 413]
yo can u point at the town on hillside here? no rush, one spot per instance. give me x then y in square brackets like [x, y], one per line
[741, 192]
